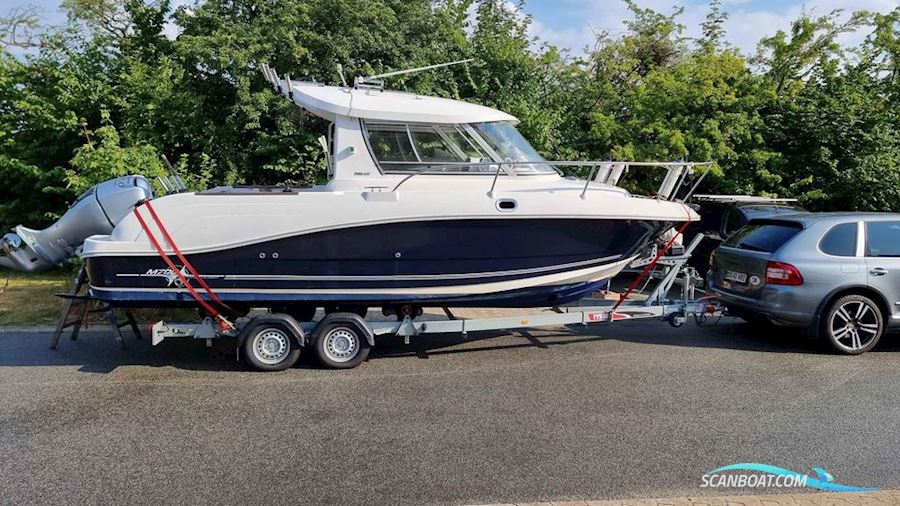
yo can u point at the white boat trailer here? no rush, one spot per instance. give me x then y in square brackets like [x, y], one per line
[272, 341]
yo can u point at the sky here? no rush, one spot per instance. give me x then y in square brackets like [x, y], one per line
[572, 23]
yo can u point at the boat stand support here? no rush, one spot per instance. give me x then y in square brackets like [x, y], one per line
[77, 308]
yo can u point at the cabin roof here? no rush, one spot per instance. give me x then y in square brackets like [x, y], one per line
[379, 105]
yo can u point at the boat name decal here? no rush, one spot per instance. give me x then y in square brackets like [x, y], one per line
[172, 278]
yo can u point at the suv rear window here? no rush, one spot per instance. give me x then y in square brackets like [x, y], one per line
[765, 236]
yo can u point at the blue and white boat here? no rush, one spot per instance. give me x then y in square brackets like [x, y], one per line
[429, 202]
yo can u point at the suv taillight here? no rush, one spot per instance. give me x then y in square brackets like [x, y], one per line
[778, 273]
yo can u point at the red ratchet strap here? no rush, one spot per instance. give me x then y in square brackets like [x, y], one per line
[649, 268]
[184, 261]
[205, 305]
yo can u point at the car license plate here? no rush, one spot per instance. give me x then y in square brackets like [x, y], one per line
[737, 277]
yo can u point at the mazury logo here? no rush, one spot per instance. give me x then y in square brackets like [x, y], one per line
[171, 277]
[167, 274]
[773, 476]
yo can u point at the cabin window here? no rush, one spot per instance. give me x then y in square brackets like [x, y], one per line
[476, 148]
[391, 143]
[467, 146]
[415, 147]
[433, 147]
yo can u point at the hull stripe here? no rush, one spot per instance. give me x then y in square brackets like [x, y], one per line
[591, 274]
[290, 277]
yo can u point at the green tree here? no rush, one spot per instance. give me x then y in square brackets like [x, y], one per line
[799, 118]
[834, 123]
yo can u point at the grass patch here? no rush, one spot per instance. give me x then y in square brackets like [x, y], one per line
[29, 299]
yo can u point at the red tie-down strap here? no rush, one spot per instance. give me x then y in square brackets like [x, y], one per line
[184, 261]
[652, 265]
[223, 322]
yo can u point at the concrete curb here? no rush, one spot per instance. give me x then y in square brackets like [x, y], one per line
[880, 498]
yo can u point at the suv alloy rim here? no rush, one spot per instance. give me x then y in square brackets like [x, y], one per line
[854, 325]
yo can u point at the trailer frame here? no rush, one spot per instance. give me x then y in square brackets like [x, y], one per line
[588, 311]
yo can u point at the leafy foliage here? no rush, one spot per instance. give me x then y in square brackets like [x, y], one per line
[112, 90]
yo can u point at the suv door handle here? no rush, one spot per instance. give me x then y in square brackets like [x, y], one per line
[878, 271]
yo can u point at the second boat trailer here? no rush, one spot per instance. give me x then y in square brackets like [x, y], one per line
[342, 340]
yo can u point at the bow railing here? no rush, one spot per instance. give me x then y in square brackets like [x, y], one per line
[605, 172]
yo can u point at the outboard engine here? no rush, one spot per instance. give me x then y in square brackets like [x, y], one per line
[95, 212]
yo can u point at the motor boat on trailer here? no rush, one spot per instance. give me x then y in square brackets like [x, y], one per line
[429, 202]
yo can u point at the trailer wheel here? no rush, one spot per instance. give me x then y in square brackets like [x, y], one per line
[270, 347]
[341, 345]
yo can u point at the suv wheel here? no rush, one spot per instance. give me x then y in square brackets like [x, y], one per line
[853, 324]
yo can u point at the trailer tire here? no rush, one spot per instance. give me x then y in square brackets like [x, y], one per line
[341, 345]
[270, 346]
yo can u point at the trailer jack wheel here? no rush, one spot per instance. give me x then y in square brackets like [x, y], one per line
[677, 319]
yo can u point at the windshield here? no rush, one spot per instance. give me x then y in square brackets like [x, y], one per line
[511, 146]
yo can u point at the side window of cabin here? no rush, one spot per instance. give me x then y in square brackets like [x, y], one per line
[390, 143]
[433, 147]
[399, 147]
[466, 144]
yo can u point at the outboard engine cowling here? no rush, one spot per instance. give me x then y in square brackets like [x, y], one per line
[95, 212]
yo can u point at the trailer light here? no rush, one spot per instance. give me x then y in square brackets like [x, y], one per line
[778, 273]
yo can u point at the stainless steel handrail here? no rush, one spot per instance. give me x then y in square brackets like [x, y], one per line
[443, 167]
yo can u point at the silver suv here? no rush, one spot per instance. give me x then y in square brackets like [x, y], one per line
[837, 274]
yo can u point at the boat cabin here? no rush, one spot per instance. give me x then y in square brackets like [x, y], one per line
[389, 135]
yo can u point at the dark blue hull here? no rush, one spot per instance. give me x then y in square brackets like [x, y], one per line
[435, 263]
[529, 297]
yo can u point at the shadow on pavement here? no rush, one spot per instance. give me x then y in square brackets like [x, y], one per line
[97, 351]
[729, 333]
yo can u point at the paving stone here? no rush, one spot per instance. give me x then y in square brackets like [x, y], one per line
[881, 498]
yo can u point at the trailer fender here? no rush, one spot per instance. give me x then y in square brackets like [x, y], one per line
[286, 320]
[352, 319]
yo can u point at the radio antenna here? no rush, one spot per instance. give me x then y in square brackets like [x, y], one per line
[377, 81]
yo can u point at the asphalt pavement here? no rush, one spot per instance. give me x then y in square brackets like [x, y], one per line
[635, 409]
